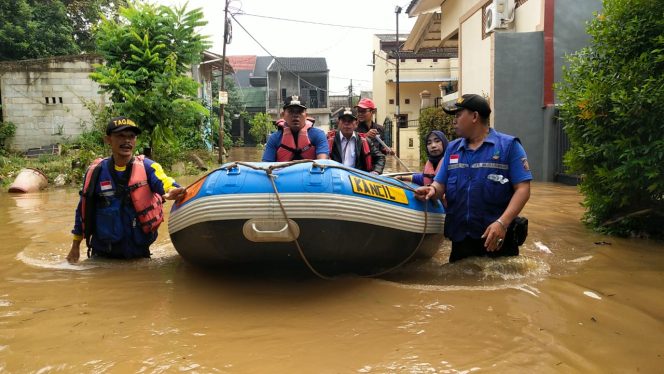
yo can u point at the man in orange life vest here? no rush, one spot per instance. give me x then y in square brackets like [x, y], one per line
[121, 201]
[298, 139]
[353, 149]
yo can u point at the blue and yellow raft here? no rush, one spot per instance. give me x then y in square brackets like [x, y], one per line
[319, 213]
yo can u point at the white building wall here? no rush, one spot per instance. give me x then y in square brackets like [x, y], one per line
[476, 57]
[529, 17]
[46, 99]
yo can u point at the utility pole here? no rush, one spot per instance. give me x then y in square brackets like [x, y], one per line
[222, 156]
[398, 113]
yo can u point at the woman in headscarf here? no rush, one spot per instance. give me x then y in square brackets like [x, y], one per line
[436, 145]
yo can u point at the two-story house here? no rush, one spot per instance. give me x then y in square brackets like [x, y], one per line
[423, 74]
[307, 77]
[513, 51]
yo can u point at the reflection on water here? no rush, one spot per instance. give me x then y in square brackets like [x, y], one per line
[566, 304]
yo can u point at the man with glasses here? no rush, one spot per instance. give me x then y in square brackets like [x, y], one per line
[353, 149]
[120, 208]
[485, 179]
[297, 139]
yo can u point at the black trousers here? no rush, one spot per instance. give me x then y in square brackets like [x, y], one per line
[470, 247]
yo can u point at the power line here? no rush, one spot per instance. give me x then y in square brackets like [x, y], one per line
[311, 22]
[275, 58]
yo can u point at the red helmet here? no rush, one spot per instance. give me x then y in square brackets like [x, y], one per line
[366, 103]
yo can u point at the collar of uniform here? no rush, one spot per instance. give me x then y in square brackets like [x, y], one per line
[341, 136]
[492, 138]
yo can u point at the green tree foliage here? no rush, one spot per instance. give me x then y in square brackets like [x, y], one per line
[612, 103]
[261, 127]
[147, 53]
[433, 118]
[34, 29]
[84, 15]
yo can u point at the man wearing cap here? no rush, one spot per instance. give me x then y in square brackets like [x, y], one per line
[366, 125]
[120, 208]
[297, 139]
[352, 149]
[485, 180]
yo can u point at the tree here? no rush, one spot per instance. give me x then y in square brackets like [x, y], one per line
[34, 29]
[612, 101]
[147, 53]
[43, 28]
[261, 127]
[84, 15]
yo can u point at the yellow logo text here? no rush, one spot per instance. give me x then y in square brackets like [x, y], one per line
[378, 190]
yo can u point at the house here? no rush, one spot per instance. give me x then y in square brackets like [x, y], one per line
[250, 75]
[306, 77]
[513, 52]
[423, 72]
[47, 98]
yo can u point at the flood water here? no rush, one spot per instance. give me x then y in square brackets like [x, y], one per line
[574, 302]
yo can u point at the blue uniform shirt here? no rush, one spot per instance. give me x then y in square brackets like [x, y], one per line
[479, 184]
[317, 138]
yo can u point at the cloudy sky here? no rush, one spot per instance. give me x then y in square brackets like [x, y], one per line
[347, 49]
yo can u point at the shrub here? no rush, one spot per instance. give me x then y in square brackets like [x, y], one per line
[612, 101]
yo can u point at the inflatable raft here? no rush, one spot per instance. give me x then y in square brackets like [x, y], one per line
[319, 213]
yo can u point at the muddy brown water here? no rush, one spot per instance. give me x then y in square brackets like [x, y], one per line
[574, 302]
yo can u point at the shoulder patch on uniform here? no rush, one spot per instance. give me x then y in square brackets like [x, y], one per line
[524, 162]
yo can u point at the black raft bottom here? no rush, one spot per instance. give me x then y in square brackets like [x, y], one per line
[332, 247]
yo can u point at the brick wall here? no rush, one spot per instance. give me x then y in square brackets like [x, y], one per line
[45, 98]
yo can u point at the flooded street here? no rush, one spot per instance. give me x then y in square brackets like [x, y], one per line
[575, 301]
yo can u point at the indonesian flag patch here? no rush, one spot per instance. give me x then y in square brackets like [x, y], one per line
[106, 185]
[454, 159]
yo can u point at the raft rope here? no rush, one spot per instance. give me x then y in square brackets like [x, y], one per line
[268, 170]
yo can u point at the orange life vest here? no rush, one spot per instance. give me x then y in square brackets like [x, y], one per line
[366, 150]
[147, 204]
[287, 150]
[429, 172]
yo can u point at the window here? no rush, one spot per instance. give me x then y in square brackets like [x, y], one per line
[410, 143]
[391, 101]
[419, 60]
[403, 60]
[435, 60]
[407, 101]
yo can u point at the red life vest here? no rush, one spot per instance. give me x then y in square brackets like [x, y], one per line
[366, 150]
[147, 204]
[287, 150]
[429, 172]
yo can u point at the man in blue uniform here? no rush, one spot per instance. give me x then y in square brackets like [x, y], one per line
[121, 202]
[485, 179]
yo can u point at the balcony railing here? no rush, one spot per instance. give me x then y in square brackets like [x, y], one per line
[310, 101]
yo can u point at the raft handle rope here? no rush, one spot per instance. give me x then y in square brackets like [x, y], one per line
[268, 170]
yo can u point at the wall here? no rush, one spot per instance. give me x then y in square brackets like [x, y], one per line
[529, 17]
[25, 87]
[475, 57]
[517, 101]
[569, 29]
[451, 11]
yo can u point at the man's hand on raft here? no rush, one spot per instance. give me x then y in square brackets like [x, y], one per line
[175, 194]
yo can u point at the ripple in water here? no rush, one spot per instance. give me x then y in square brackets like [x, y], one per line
[474, 273]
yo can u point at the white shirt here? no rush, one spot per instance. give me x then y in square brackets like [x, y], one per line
[348, 149]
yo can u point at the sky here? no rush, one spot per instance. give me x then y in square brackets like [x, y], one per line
[347, 50]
